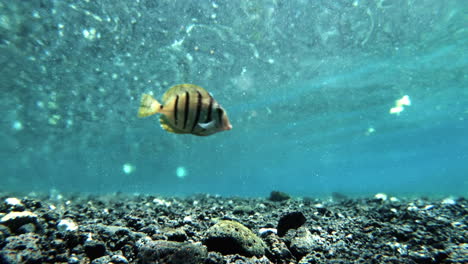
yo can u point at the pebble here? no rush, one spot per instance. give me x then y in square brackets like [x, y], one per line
[14, 220]
[94, 249]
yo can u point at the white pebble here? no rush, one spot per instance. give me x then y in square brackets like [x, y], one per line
[428, 207]
[12, 201]
[449, 201]
[67, 225]
[381, 196]
[161, 202]
[18, 215]
[262, 231]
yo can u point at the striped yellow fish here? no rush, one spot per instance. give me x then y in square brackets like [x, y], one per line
[187, 109]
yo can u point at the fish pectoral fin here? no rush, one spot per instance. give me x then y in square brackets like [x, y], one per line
[208, 125]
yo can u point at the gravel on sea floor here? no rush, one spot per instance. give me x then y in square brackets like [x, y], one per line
[210, 229]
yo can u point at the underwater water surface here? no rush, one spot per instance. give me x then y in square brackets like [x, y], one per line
[342, 96]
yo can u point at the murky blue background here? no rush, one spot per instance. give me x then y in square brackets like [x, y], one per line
[308, 86]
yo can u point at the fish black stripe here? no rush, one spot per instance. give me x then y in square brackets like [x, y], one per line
[220, 115]
[197, 114]
[210, 109]
[186, 110]
[175, 109]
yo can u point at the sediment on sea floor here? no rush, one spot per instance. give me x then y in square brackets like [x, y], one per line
[212, 229]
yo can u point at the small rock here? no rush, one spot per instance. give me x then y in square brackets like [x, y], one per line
[67, 225]
[419, 257]
[14, 204]
[4, 232]
[243, 209]
[14, 220]
[27, 228]
[94, 249]
[230, 237]
[162, 251]
[449, 201]
[277, 196]
[279, 252]
[289, 221]
[214, 258]
[176, 234]
[266, 231]
[73, 260]
[119, 259]
[314, 257]
[302, 243]
[102, 260]
[381, 196]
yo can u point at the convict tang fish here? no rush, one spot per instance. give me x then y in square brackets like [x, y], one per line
[187, 109]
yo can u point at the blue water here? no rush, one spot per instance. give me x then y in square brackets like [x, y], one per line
[308, 86]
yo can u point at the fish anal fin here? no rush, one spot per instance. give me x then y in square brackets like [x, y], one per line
[168, 127]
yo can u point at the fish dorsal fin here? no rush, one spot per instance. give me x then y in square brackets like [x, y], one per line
[180, 89]
[167, 126]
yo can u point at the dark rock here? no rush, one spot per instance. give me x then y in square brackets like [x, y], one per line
[94, 249]
[176, 234]
[230, 237]
[134, 222]
[60, 258]
[24, 248]
[277, 196]
[59, 246]
[421, 257]
[51, 216]
[169, 252]
[214, 258]
[289, 221]
[150, 230]
[4, 232]
[323, 211]
[112, 231]
[32, 204]
[71, 239]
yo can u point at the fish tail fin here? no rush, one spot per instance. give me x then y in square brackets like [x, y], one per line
[148, 106]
